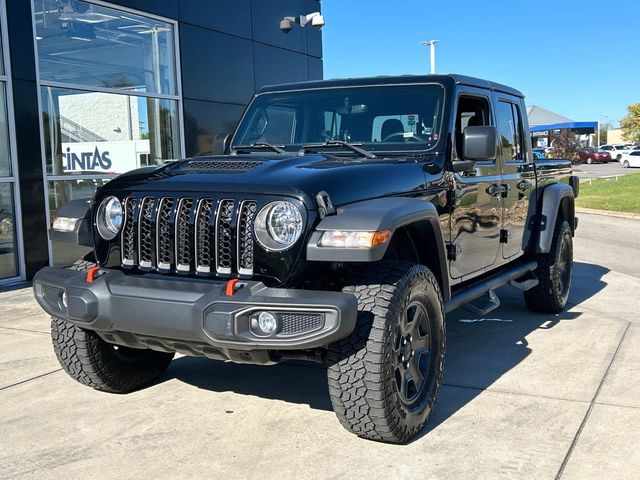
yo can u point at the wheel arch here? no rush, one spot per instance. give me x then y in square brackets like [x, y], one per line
[413, 222]
[558, 201]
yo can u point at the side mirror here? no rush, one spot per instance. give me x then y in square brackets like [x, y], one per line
[479, 143]
[221, 143]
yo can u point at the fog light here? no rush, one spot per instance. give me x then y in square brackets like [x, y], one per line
[65, 299]
[264, 324]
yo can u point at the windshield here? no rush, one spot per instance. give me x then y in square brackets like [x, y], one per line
[380, 118]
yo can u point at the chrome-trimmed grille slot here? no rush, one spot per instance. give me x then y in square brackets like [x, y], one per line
[128, 236]
[246, 216]
[184, 235]
[188, 235]
[224, 237]
[163, 234]
[145, 232]
[203, 249]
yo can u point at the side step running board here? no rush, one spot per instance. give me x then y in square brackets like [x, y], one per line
[476, 290]
[481, 305]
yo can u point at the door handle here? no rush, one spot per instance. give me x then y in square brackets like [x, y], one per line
[524, 184]
[496, 189]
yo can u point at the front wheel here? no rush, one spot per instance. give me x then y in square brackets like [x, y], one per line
[90, 360]
[589, 160]
[384, 378]
[554, 274]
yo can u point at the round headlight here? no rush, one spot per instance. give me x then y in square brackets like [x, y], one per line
[278, 226]
[109, 218]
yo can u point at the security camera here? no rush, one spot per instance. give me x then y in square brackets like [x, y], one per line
[317, 22]
[286, 25]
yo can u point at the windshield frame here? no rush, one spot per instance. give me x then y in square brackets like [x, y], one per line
[378, 153]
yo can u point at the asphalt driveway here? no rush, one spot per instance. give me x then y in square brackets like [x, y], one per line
[525, 396]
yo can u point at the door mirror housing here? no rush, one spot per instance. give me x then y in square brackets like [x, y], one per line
[479, 143]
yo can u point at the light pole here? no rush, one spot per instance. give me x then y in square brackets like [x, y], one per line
[432, 45]
[601, 116]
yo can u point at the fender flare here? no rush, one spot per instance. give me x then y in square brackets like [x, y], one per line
[375, 215]
[81, 235]
[552, 197]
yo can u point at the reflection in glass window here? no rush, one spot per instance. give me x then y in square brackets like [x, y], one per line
[105, 133]
[8, 255]
[60, 193]
[5, 154]
[80, 43]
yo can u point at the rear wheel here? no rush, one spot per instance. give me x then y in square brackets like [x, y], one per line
[554, 274]
[625, 164]
[90, 360]
[384, 378]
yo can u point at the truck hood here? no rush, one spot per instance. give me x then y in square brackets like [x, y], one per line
[345, 179]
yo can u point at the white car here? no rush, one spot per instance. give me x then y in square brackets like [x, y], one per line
[631, 159]
[616, 151]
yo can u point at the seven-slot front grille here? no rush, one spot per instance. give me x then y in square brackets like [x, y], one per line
[188, 235]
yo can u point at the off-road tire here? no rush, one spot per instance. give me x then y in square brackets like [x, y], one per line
[361, 375]
[552, 292]
[91, 361]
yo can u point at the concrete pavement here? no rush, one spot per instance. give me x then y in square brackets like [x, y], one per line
[531, 396]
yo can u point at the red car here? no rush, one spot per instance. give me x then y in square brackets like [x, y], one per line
[593, 155]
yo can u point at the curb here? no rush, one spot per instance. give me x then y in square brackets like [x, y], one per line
[609, 213]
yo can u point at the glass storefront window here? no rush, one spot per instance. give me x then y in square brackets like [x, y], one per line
[60, 193]
[5, 154]
[8, 248]
[80, 43]
[106, 133]
[109, 98]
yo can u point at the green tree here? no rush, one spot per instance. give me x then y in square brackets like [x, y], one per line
[631, 124]
[565, 145]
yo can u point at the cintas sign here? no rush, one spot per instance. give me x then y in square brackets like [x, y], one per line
[103, 157]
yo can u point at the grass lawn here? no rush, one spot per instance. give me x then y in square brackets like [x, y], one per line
[608, 194]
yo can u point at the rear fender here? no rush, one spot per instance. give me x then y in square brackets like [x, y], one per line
[551, 205]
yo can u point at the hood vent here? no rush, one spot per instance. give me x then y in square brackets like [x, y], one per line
[223, 166]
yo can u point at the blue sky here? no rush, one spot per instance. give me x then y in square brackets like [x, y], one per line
[578, 58]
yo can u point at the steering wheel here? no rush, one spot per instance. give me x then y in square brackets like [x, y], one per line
[404, 136]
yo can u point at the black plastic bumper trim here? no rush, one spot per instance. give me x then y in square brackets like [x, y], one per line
[191, 312]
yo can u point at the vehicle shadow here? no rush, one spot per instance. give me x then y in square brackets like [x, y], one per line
[478, 353]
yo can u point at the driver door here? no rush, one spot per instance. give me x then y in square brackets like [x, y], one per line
[477, 214]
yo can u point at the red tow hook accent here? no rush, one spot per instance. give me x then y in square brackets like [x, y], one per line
[231, 287]
[92, 273]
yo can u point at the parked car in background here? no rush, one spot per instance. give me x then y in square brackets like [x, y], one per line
[593, 155]
[538, 155]
[616, 151]
[631, 159]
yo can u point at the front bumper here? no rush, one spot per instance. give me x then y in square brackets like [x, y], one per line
[193, 317]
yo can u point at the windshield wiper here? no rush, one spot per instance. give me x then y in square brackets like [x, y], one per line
[354, 147]
[237, 148]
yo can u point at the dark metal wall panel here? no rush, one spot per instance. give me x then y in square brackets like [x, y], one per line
[227, 16]
[275, 65]
[266, 24]
[203, 120]
[165, 8]
[216, 66]
[315, 68]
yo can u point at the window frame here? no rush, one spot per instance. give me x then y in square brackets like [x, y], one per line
[479, 94]
[523, 152]
[14, 178]
[40, 83]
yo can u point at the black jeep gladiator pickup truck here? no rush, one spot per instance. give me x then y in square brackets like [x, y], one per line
[338, 224]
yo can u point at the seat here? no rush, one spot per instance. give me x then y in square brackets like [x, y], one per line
[391, 127]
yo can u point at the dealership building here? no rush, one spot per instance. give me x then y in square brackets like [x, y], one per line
[90, 89]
